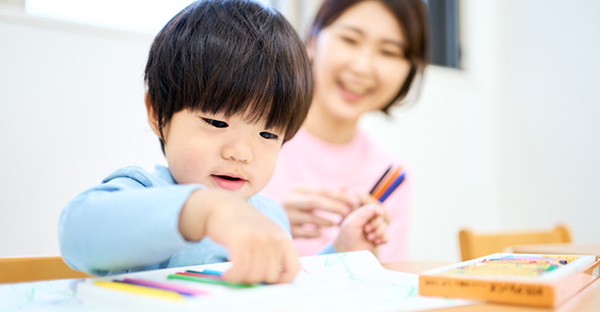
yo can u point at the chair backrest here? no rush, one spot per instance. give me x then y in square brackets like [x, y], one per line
[478, 245]
[27, 269]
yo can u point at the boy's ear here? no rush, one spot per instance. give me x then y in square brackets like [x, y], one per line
[152, 116]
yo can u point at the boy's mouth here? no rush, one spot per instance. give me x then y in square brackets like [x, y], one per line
[230, 183]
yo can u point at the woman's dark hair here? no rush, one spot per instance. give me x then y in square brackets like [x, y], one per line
[413, 19]
[233, 57]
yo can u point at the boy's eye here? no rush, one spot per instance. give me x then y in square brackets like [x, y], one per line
[268, 135]
[216, 123]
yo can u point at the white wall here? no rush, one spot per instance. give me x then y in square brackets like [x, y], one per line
[507, 143]
[549, 116]
[71, 103]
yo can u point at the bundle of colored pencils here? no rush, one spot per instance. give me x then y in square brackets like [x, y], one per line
[389, 181]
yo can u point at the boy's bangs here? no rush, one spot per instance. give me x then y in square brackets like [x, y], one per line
[251, 93]
[233, 58]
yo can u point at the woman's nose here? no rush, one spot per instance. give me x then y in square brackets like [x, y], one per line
[363, 61]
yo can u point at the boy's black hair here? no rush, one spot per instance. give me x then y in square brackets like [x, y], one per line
[233, 57]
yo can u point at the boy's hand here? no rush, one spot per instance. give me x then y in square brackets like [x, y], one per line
[363, 229]
[301, 203]
[260, 250]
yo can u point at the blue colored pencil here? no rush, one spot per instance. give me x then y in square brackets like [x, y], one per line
[392, 187]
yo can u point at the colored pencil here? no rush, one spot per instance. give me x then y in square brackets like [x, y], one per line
[379, 181]
[388, 182]
[392, 187]
[141, 290]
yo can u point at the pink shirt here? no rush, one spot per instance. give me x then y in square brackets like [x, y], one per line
[357, 165]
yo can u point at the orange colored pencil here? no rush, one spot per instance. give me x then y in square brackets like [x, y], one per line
[381, 190]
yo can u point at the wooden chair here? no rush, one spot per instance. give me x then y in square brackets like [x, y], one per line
[478, 245]
[28, 269]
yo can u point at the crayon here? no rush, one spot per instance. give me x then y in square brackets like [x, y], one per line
[215, 277]
[188, 291]
[199, 279]
[209, 272]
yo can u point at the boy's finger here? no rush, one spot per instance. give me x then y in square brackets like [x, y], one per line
[256, 269]
[239, 262]
[290, 265]
[272, 265]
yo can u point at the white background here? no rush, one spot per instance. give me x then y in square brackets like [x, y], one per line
[512, 142]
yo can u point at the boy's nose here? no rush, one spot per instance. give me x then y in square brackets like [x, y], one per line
[237, 151]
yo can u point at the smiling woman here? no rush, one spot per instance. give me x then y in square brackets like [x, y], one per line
[366, 56]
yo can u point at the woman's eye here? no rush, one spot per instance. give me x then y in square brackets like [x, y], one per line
[268, 135]
[349, 40]
[391, 53]
[216, 123]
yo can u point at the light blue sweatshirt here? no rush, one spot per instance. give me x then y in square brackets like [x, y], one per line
[130, 223]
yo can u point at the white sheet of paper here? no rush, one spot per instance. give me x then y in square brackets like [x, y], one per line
[352, 281]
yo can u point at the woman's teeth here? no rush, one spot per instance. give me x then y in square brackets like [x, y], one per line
[354, 89]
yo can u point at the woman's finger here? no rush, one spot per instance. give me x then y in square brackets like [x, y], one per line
[374, 224]
[299, 232]
[351, 199]
[313, 201]
[300, 217]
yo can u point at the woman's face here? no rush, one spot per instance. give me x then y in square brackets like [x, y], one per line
[358, 62]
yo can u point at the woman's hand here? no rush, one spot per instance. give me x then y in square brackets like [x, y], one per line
[353, 231]
[301, 203]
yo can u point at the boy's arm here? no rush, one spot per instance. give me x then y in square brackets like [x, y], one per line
[121, 224]
[110, 228]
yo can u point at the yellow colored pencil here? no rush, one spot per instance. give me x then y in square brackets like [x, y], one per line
[141, 290]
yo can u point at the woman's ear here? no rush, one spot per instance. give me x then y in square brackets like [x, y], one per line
[311, 47]
[152, 116]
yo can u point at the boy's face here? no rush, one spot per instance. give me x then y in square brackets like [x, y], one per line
[227, 153]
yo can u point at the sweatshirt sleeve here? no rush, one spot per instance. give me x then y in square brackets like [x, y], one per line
[122, 224]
